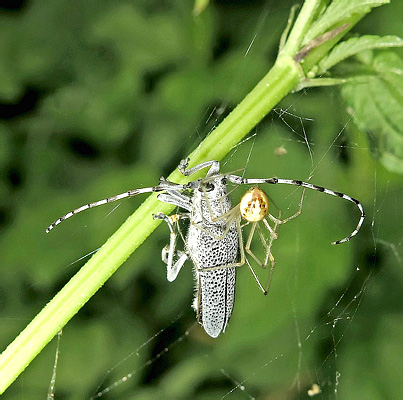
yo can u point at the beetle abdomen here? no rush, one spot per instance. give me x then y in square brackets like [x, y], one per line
[217, 295]
[215, 287]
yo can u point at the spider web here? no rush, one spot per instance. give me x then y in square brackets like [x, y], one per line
[314, 350]
[310, 378]
[316, 332]
[315, 355]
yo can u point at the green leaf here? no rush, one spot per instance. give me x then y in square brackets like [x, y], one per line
[375, 102]
[337, 13]
[355, 45]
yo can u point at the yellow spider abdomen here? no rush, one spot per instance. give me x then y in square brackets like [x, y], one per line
[254, 205]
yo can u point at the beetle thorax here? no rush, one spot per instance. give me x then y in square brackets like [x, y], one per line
[210, 200]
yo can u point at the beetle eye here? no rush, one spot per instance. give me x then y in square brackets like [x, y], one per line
[209, 187]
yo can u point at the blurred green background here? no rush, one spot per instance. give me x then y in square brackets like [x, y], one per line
[98, 97]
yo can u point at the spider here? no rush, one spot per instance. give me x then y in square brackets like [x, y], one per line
[214, 240]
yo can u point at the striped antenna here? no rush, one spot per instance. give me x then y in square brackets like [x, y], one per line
[273, 181]
[164, 185]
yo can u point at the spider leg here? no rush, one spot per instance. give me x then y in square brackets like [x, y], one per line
[229, 217]
[169, 251]
[240, 246]
[238, 180]
[250, 252]
[269, 254]
[273, 236]
[284, 221]
[267, 246]
[249, 241]
[243, 258]
[264, 291]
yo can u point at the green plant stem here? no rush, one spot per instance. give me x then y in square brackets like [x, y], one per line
[301, 26]
[281, 79]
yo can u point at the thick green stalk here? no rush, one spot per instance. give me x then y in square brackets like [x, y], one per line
[281, 80]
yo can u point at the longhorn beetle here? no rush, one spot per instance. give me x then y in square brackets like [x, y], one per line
[214, 240]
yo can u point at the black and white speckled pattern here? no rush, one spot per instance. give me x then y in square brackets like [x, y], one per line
[215, 291]
[217, 299]
[217, 287]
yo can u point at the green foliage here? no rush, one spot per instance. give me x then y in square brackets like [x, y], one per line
[355, 45]
[337, 13]
[375, 98]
